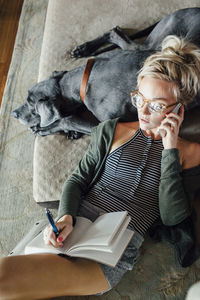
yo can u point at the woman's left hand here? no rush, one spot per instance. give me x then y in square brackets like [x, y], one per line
[169, 128]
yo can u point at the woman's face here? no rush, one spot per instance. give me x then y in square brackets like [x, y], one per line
[159, 91]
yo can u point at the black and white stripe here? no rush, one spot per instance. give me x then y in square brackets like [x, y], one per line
[130, 181]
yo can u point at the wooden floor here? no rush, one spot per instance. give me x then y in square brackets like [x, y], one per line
[10, 11]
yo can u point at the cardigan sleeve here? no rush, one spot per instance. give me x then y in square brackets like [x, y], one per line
[88, 169]
[78, 182]
[173, 200]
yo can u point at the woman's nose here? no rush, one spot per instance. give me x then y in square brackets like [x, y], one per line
[145, 109]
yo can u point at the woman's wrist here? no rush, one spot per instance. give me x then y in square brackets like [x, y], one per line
[170, 143]
[68, 218]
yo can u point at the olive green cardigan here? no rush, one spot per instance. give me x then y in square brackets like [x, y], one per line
[175, 190]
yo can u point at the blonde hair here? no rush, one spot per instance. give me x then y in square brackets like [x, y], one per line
[178, 62]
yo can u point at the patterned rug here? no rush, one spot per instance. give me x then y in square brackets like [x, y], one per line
[163, 280]
[18, 209]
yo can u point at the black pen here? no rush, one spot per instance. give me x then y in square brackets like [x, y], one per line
[51, 221]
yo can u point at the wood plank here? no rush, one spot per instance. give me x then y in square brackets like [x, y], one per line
[10, 11]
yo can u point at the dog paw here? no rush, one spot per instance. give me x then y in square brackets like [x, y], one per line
[33, 129]
[83, 50]
[74, 135]
[42, 133]
[38, 131]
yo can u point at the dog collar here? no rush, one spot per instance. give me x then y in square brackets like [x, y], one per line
[86, 75]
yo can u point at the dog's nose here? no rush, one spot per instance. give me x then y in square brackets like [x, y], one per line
[15, 114]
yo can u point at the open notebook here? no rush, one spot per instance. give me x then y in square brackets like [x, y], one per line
[104, 240]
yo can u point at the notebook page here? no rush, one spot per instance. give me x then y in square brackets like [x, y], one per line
[102, 231]
[37, 245]
[106, 257]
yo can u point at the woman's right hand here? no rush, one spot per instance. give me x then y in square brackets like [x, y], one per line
[64, 226]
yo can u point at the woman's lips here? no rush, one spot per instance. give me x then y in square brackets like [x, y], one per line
[144, 121]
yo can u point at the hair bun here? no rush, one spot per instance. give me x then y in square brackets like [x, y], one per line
[175, 45]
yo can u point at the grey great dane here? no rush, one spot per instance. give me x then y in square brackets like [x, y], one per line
[54, 105]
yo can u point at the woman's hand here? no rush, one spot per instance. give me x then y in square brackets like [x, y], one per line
[64, 226]
[169, 128]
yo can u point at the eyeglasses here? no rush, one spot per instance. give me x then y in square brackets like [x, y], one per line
[139, 101]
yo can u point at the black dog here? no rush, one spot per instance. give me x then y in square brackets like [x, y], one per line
[55, 105]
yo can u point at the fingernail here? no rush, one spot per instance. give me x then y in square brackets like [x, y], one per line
[60, 239]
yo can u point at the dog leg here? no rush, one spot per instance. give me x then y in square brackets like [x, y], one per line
[73, 126]
[88, 48]
[78, 124]
[54, 128]
[115, 36]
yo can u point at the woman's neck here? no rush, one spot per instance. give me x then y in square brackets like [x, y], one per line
[152, 133]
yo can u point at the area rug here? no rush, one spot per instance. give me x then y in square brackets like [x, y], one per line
[18, 210]
[163, 281]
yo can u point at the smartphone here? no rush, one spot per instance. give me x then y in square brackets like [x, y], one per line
[176, 111]
[177, 108]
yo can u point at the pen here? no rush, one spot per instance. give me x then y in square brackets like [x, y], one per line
[51, 221]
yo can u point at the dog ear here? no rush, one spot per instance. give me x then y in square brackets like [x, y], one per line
[48, 113]
[29, 98]
[58, 74]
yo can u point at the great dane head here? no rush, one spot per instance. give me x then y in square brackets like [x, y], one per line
[43, 105]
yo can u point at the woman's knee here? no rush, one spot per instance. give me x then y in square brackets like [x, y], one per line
[5, 277]
[12, 277]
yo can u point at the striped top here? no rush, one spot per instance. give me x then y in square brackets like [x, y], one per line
[130, 181]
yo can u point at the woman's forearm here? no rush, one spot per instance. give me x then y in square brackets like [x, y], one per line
[173, 201]
[70, 199]
[79, 181]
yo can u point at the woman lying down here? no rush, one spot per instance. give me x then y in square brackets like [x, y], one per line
[142, 167]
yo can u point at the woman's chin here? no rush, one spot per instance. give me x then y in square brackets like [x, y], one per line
[144, 124]
[148, 127]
